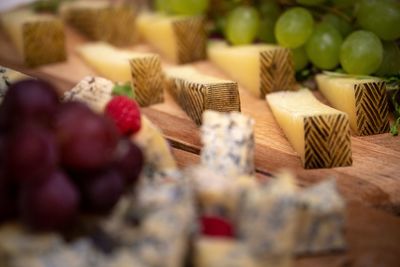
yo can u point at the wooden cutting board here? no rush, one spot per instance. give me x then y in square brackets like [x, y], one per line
[374, 178]
[373, 236]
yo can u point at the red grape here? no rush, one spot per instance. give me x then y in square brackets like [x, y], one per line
[28, 100]
[31, 154]
[129, 161]
[8, 195]
[102, 191]
[87, 140]
[51, 205]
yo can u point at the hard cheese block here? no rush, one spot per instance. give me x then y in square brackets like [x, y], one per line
[101, 20]
[7, 77]
[259, 68]
[318, 133]
[39, 38]
[142, 69]
[363, 99]
[321, 222]
[94, 91]
[228, 143]
[267, 221]
[196, 93]
[181, 39]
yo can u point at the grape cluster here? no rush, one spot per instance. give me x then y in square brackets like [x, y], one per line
[57, 159]
[358, 36]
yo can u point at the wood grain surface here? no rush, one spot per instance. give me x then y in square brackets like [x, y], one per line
[373, 236]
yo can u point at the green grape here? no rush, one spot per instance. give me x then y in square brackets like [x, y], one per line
[343, 3]
[361, 53]
[391, 59]
[270, 9]
[381, 17]
[300, 58]
[310, 2]
[266, 30]
[323, 47]
[343, 26]
[294, 27]
[188, 7]
[162, 6]
[242, 25]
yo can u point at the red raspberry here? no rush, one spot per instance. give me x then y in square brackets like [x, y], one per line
[126, 114]
[216, 226]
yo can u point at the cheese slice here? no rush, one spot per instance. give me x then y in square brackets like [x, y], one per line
[39, 38]
[259, 68]
[101, 20]
[196, 92]
[7, 77]
[321, 222]
[318, 133]
[181, 39]
[142, 69]
[228, 143]
[363, 99]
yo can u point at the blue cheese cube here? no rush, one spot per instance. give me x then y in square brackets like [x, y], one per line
[228, 143]
[321, 219]
[7, 77]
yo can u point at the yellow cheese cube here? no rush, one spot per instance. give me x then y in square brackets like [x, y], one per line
[39, 38]
[102, 21]
[259, 68]
[180, 39]
[196, 92]
[142, 69]
[318, 133]
[363, 99]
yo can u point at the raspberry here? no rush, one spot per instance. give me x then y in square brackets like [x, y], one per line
[216, 226]
[126, 114]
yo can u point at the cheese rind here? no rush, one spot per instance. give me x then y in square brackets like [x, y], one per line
[321, 219]
[318, 133]
[102, 20]
[39, 38]
[143, 70]
[259, 68]
[181, 39]
[7, 77]
[196, 92]
[228, 143]
[363, 99]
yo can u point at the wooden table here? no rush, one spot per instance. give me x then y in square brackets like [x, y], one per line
[373, 180]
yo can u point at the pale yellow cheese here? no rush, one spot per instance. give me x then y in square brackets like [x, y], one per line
[341, 94]
[244, 64]
[292, 109]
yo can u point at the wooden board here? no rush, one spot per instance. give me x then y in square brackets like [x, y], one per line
[373, 179]
[373, 236]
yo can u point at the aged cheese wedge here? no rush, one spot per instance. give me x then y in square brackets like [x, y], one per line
[363, 99]
[259, 68]
[101, 20]
[142, 69]
[228, 143]
[7, 77]
[318, 133]
[180, 39]
[196, 92]
[320, 226]
[39, 38]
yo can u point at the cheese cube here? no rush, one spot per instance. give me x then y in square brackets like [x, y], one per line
[320, 226]
[268, 219]
[228, 143]
[181, 39]
[259, 68]
[102, 21]
[96, 92]
[39, 38]
[142, 69]
[7, 77]
[318, 133]
[196, 93]
[363, 99]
